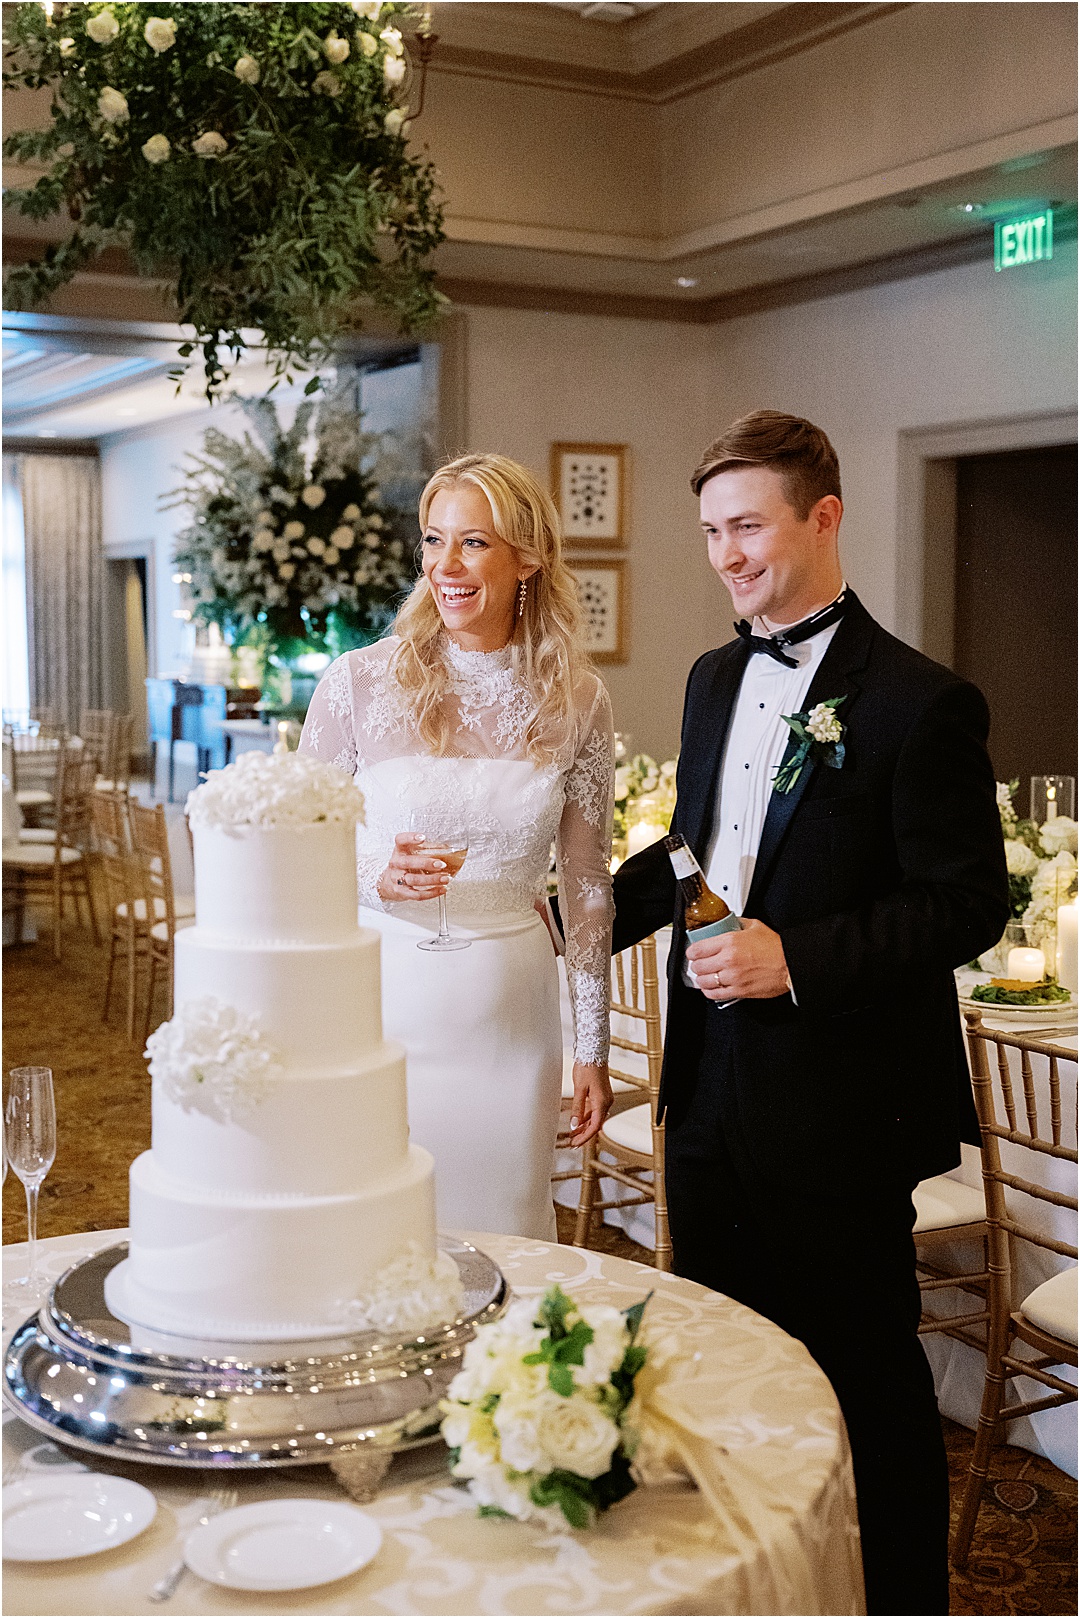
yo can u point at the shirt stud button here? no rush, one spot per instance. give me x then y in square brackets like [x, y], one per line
[746, 766]
[761, 705]
[725, 887]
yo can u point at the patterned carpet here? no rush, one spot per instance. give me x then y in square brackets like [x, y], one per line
[1024, 1555]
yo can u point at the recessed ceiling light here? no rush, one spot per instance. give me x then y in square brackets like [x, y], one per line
[970, 207]
[686, 280]
[47, 434]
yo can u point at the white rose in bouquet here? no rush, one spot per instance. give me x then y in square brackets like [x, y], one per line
[367, 8]
[286, 570]
[576, 1435]
[335, 50]
[343, 537]
[331, 556]
[393, 70]
[1005, 807]
[67, 47]
[102, 27]
[1059, 836]
[391, 38]
[351, 513]
[313, 496]
[316, 546]
[263, 539]
[293, 530]
[247, 70]
[160, 33]
[393, 121]
[113, 106]
[368, 44]
[157, 149]
[823, 724]
[212, 144]
[280, 552]
[1019, 858]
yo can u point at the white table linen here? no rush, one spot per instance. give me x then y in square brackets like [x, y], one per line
[660, 1551]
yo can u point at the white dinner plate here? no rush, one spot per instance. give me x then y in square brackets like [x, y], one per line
[1061, 1010]
[49, 1519]
[283, 1544]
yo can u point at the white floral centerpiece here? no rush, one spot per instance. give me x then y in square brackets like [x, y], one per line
[1042, 872]
[644, 791]
[540, 1420]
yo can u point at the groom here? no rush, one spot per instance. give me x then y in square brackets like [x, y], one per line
[814, 1068]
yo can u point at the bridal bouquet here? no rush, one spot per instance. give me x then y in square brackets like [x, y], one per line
[540, 1418]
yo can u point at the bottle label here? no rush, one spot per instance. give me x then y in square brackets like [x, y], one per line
[729, 924]
[683, 863]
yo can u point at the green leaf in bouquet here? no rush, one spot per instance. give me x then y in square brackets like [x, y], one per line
[493, 1511]
[633, 1315]
[553, 1310]
[616, 1484]
[575, 1496]
[561, 1380]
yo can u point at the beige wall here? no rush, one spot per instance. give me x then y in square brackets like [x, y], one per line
[962, 345]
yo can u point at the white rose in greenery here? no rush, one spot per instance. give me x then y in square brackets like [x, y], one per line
[210, 145]
[371, 541]
[1058, 835]
[293, 530]
[393, 69]
[375, 521]
[342, 537]
[286, 570]
[157, 149]
[368, 43]
[281, 552]
[1019, 859]
[367, 8]
[335, 50]
[576, 1434]
[610, 1342]
[247, 70]
[313, 496]
[823, 724]
[67, 47]
[351, 513]
[516, 1422]
[316, 546]
[263, 539]
[391, 38]
[160, 33]
[393, 121]
[113, 106]
[331, 556]
[102, 27]
[327, 84]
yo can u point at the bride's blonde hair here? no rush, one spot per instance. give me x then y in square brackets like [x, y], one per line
[546, 649]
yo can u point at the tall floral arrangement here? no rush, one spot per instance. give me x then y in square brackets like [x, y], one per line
[252, 156]
[1042, 867]
[643, 789]
[289, 543]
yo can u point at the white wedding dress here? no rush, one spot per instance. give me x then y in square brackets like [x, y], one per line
[481, 1026]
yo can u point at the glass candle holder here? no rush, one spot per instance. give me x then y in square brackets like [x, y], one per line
[1051, 796]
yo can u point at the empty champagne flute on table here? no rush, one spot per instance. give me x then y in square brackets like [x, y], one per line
[451, 848]
[30, 1140]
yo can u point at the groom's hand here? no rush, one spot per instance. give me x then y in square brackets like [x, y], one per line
[747, 965]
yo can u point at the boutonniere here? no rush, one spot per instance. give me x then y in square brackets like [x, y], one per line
[820, 736]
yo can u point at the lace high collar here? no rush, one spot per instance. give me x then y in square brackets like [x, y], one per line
[476, 667]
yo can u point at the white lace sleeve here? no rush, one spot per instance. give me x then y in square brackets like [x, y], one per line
[330, 733]
[583, 854]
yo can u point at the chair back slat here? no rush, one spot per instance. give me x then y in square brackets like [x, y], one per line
[1005, 1077]
[1030, 1106]
[1055, 1102]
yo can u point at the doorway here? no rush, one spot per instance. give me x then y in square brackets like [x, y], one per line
[1015, 604]
[126, 636]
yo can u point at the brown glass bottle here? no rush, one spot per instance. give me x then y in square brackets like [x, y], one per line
[703, 906]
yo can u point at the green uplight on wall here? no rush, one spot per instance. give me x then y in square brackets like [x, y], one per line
[1027, 240]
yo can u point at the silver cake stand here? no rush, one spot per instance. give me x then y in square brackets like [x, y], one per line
[73, 1371]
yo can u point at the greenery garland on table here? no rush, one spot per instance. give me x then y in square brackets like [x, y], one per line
[250, 155]
[290, 547]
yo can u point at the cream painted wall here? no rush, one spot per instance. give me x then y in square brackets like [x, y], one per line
[959, 346]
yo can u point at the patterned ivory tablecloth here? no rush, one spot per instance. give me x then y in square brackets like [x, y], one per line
[793, 1550]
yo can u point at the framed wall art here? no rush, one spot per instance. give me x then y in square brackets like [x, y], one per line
[601, 584]
[588, 481]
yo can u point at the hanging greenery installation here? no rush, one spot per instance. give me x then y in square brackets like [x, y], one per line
[253, 157]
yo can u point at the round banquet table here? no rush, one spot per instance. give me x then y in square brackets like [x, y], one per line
[773, 1417]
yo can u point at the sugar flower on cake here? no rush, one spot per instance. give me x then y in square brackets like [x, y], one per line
[265, 791]
[212, 1058]
[411, 1294]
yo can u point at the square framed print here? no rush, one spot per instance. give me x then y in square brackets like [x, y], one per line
[601, 584]
[588, 481]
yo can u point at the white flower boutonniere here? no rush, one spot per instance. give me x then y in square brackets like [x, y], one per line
[820, 736]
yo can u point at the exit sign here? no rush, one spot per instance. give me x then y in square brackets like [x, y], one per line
[1024, 241]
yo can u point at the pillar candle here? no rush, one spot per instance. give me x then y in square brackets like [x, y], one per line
[1066, 946]
[1027, 965]
[641, 834]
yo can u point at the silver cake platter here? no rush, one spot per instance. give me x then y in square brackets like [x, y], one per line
[77, 1373]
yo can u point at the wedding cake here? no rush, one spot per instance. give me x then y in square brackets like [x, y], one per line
[281, 1199]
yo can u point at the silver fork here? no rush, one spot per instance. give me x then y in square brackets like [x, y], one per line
[220, 1500]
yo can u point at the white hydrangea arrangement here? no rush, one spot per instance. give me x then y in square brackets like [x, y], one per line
[649, 786]
[411, 1294]
[270, 791]
[212, 1058]
[1041, 862]
[539, 1420]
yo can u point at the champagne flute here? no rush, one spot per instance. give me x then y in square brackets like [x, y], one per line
[30, 1139]
[451, 847]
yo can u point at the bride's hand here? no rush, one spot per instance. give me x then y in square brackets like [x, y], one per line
[411, 874]
[592, 1102]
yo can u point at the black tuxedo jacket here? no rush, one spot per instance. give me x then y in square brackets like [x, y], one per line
[880, 877]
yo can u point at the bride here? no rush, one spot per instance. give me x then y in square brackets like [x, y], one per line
[481, 715]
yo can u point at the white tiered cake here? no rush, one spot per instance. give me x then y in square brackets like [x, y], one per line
[281, 1200]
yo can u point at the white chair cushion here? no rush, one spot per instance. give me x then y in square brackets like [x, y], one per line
[37, 834]
[941, 1203]
[140, 909]
[632, 1129]
[33, 798]
[38, 856]
[1052, 1307]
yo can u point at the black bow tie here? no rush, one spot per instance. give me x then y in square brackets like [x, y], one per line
[773, 645]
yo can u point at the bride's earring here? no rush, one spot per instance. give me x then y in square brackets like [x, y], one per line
[522, 593]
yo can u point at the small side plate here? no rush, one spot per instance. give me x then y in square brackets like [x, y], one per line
[283, 1544]
[49, 1519]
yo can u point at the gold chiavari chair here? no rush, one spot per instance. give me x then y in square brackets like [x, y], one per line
[52, 862]
[115, 774]
[157, 900]
[631, 1140]
[32, 758]
[1045, 1320]
[950, 1214]
[120, 879]
[94, 727]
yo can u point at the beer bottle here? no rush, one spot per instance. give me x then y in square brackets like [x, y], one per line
[706, 913]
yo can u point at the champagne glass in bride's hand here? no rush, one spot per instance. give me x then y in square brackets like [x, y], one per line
[449, 846]
[30, 1140]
